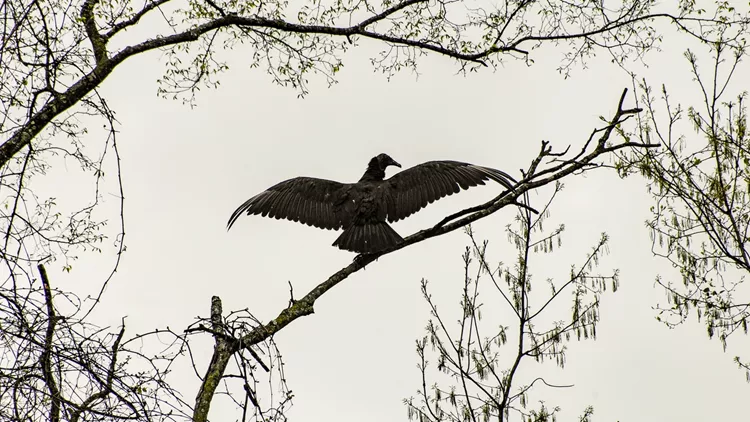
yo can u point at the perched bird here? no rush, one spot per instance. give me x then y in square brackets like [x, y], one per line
[362, 208]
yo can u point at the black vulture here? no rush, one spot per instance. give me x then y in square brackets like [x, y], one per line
[362, 208]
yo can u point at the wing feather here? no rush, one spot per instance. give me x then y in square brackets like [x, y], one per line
[414, 188]
[432, 190]
[262, 202]
[327, 208]
[417, 197]
[306, 212]
[294, 208]
[279, 206]
[319, 219]
[273, 203]
[304, 199]
[455, 180]
[464, 179]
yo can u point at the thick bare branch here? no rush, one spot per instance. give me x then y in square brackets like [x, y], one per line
[98, 43]
[46, 357]
[222, 353]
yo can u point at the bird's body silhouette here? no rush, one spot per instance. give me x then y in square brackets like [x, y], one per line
[363, 209]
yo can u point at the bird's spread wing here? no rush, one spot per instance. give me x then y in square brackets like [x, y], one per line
[304, 199]
[414, 188]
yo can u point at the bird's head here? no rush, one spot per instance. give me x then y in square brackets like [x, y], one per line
[384, 160]
[376, 168]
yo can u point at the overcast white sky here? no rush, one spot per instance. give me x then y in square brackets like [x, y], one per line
[185, 170]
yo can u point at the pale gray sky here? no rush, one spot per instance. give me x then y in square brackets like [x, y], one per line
[187, 169]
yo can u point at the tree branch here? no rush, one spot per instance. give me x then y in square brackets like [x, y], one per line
[223, 350]
[133, 19]
[106, 387]
[46, 357]
[98, 43]
[105, 65]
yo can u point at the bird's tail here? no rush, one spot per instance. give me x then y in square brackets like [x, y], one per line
[366, 238]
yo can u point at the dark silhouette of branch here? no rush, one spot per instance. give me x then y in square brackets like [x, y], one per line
[219, 360]
[64, 368]
[222, 329]
[133, 19]
[98, 44]
[46, 358]
[106, 385]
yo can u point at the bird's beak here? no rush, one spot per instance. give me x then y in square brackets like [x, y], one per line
[394, 163]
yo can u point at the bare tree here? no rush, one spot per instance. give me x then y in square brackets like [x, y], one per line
[700, 183]
[477, 364]
[56, 366]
